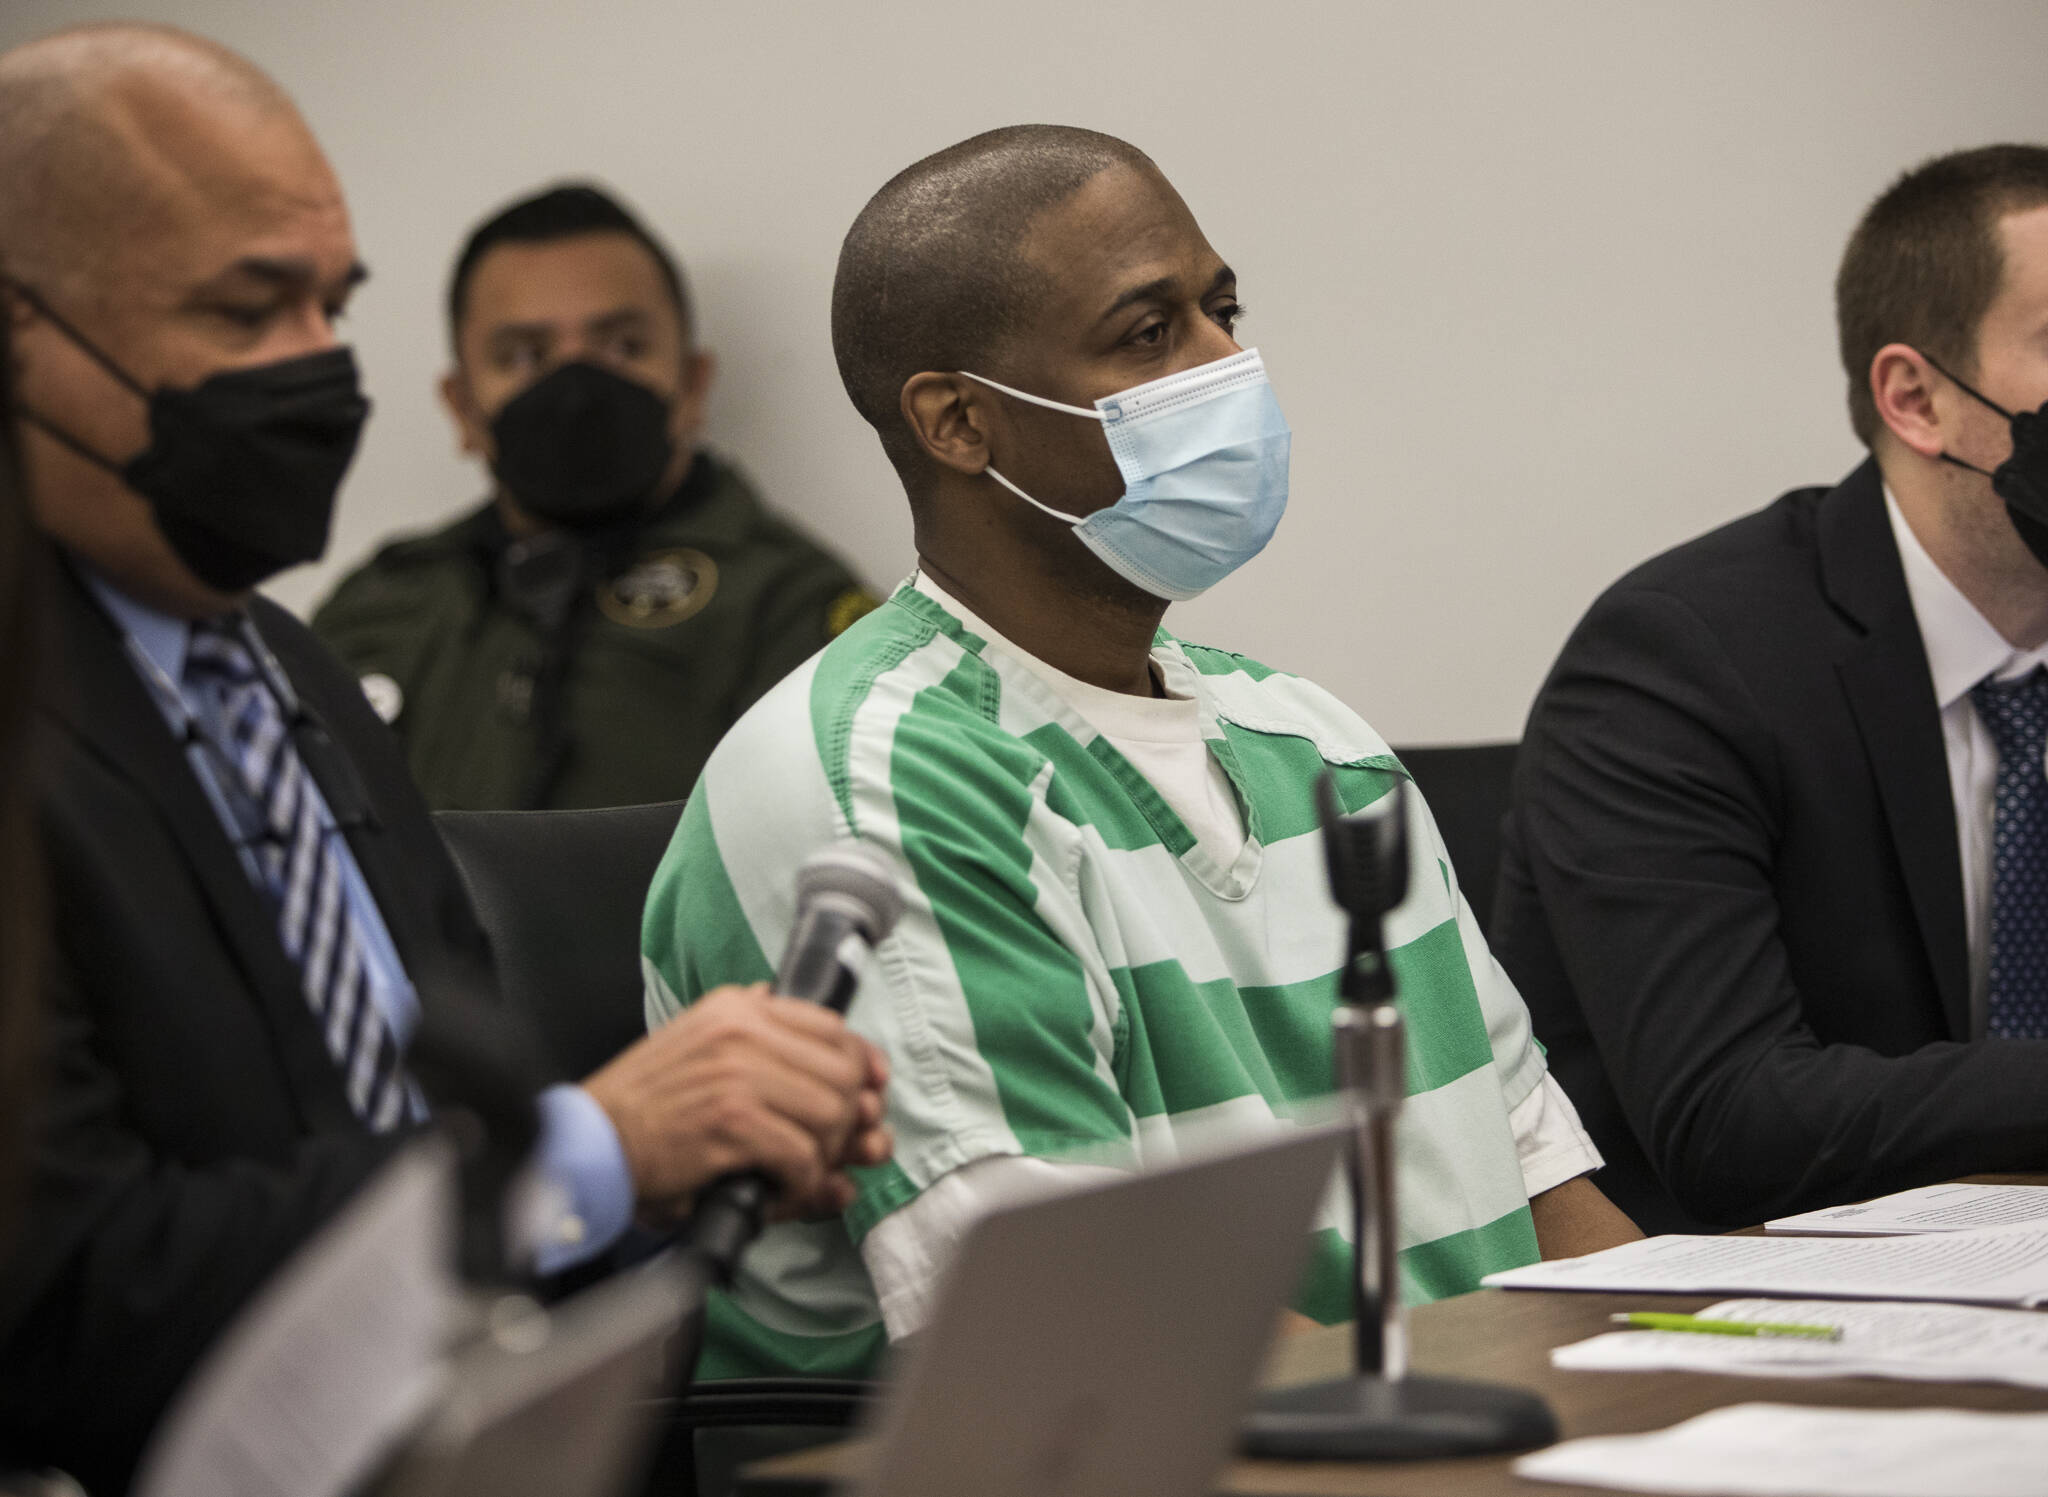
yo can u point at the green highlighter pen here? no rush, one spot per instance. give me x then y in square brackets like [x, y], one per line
[1651, 1321]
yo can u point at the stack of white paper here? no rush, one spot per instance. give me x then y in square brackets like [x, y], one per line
[1922, 1342]
[2008, 1266]
[1778, 1450]
[1932, 1208]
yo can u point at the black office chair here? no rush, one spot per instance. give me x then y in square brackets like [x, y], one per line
[1468, 787]
[559, 894]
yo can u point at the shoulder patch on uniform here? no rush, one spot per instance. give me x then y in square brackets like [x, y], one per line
[659, 589]
[843, 611]
[387, 700]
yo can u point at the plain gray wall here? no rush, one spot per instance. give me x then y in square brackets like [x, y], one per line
[1544, 288]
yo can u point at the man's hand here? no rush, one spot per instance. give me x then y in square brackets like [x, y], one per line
[746, 1080]
[1294, 1323]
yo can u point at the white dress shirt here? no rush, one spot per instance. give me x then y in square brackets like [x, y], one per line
[1962, 649]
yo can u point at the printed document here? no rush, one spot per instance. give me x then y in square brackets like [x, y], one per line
[1919, 1342]
[1780, 1450]
[2005, 1266]
[1932, 1208]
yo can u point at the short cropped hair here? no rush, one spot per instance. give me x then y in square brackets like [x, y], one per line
[1924, 265]
[565, 211]
[932, 274]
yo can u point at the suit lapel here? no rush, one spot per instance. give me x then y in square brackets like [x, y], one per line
[1891, 694]
[98, 695]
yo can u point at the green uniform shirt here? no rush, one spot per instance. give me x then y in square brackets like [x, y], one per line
[1073, 971]
[714, 601]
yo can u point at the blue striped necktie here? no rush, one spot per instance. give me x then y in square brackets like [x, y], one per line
[301, 873]
[2017, 990]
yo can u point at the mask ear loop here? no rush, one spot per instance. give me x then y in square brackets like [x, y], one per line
[1974, 394]
[1051, 405]
[63, 325]
[92, 351]
[1058, 514]
[58, 434]
[1968, 390]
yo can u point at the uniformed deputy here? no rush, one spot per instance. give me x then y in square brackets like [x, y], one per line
[586, 636]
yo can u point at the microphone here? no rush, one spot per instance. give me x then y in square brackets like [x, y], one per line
[846, 900]
[844, 893]
[1367, 854]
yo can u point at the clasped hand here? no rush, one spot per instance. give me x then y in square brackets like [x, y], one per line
[743, 1079]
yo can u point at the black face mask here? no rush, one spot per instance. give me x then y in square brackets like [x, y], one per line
[2022, 479]
[582, 445]
[241, 469]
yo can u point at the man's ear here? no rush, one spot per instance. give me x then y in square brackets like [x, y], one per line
[461, 408]
[1902, 383]
[950, 415]
[700, 369]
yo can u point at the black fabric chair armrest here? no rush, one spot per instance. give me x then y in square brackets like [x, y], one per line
[714, 1429]
[775, 1400]
[1468, 787]
[559, 895]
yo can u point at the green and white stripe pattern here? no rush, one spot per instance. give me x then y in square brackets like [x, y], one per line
[1074, 974]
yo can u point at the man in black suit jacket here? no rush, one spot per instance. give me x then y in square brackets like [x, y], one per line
[1747, 880]
[175, 253]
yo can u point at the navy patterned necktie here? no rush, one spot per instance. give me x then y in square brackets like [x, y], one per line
[301, 873]
[2017, 999]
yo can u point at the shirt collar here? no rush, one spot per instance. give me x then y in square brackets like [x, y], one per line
[1962, 646]
[1114, 712]
[161, 636]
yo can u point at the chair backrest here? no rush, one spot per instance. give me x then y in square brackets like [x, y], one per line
[1468, 787]
[560, 893]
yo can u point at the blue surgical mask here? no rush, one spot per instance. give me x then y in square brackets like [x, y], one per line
[1204, 459]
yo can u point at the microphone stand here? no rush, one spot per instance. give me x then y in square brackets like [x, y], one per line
[1382, 1412]
[479, 1064]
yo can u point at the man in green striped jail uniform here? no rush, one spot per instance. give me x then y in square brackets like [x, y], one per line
[1118, 926]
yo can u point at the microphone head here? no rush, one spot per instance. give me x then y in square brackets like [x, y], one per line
[1367, 851]
[858, 879]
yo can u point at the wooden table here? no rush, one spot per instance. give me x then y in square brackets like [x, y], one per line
[1507, 1336]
